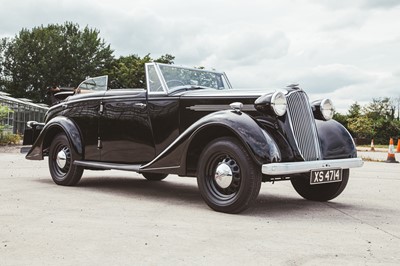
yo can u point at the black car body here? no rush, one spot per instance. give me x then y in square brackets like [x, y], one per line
[190, 122]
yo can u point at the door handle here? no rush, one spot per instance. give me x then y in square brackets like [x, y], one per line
[142, 105]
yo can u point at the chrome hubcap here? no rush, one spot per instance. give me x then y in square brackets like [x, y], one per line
[61, 158]
[223, 175]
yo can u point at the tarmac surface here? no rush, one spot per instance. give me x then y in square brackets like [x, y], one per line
[119, 218]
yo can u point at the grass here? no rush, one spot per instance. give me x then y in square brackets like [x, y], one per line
[376, 146]
[368, 159]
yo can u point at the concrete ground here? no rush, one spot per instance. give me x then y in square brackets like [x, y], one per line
[119, 218]
[380, 154]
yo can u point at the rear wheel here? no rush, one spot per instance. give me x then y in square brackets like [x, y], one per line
[321, 192]
[228, 179]
[61, 162]
[154, 176]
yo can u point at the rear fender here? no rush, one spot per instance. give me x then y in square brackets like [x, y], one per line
[55, 126]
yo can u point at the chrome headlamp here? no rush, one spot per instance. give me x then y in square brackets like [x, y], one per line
[323, 109]
[272, 103]
[279, 103]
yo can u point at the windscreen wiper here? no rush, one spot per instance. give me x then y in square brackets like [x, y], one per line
[189, 87]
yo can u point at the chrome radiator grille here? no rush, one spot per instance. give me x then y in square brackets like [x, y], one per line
[303, 125]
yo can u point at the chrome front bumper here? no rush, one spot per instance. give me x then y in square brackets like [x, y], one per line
[287, 168]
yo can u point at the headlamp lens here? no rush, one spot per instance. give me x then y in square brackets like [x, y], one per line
[278, 103]
[327, 109]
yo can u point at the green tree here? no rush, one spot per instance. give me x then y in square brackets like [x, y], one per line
[375, 120]
[354, 110]
[380, 108]
[165, 59]
[129, 71]
[353, 113]
[52, 55]
[3, 46]
[362, 126]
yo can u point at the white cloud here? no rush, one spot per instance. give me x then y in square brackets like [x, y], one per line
[379, 86]
[380, 3]
[367, 4]
[330, 77]
[244, 48]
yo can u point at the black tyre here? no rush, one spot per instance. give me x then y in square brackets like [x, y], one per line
[61, 158]
[154, 176]
[228, 178]
[322, 192]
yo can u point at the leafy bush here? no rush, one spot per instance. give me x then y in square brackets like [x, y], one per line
[8, 138]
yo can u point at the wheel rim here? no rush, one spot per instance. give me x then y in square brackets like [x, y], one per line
[62, 161]
[61, 158]
[223, 178]
[223, 175]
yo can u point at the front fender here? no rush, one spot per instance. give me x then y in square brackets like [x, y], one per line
[336, 142]
[50, 130]
[260, 145]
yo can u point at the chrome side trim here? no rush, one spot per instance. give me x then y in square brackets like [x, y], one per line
[217, 107]
[306, 166]
[109, 166]
[142, 170]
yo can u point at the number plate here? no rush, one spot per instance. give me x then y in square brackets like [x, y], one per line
[325, 176]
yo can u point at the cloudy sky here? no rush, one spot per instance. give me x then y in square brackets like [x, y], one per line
[346, 50]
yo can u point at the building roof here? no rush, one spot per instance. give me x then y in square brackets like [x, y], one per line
[5, 96]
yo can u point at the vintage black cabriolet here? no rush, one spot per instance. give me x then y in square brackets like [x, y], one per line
[190, 122]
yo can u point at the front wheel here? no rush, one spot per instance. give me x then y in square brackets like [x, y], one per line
[228, 178]
[321, 192]
[61, 162]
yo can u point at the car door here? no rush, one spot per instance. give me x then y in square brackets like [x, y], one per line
[125, 131]
[83, 108]
[85, 113]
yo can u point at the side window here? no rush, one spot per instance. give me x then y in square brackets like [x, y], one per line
[154, 84]
[93, 84]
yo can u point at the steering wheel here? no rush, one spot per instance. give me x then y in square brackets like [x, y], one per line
[176, 81]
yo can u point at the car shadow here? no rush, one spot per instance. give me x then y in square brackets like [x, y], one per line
[134, 187]
[178, 192]
[279, 206]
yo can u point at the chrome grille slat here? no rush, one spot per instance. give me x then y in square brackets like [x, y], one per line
[303, 126]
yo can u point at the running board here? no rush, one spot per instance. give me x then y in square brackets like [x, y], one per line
[108, 166]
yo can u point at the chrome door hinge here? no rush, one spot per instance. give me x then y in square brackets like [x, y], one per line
[99, 143]
[101, 108]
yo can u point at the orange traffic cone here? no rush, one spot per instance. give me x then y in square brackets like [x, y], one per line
[391, 158]
[398, 146]
[372, 145]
